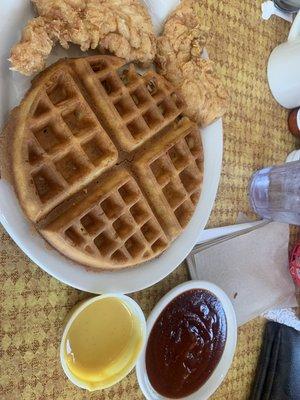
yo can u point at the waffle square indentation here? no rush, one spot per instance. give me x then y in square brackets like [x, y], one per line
[193, 143]
[119, 256]
[129, 192]
[34, 153]
[183, 213]
[150, 231]
[41, 108]
[190, 178]
[123, 227]
[167, 108]
[60, 92]
[174, 194]
[71, 168]
[161, 170]
[73, 236]
[77, 120]
[134, 246]
[111, 85]
[111, 207]
[140, 97]
[92, 223]
[158, 246]
[105, 243]
[179, 156]
[46, 185]
[99, 65]
[49, 137]
[97, 152]
[138, 128]
[153, 117]
[139, 212]
[125, 106]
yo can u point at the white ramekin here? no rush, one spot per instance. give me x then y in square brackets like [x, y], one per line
[135, 310]
[221, 369]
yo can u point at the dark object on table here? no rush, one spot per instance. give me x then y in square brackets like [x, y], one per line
[288, 5]
[277, 375]
[294, 122]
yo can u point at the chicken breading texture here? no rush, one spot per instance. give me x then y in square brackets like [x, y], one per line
[122, 27]
[179, 60]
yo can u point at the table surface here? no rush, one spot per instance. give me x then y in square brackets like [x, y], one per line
[33, 305]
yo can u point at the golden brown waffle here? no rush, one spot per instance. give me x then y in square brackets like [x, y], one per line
[171, 174]
[103, 163]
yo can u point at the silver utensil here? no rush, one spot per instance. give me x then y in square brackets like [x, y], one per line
[291, 6]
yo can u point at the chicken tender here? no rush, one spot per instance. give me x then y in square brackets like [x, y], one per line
[27, 58]
[121, 27]
[64, 21]
[179, 60]
[203, 91]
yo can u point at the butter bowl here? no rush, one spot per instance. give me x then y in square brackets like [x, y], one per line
[215, 374]
[102, 339]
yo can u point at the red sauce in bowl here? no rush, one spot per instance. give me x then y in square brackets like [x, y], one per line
[186, 343]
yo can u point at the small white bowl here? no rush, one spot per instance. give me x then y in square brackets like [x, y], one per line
[219, 373]
[135, 310]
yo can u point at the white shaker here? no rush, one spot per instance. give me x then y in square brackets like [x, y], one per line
[284, 69]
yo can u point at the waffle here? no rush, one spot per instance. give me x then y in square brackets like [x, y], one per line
[103, 162]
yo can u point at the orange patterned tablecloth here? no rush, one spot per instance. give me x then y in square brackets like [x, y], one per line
[33, 305]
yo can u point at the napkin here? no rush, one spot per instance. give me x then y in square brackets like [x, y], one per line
[251, 266]
[287, 316]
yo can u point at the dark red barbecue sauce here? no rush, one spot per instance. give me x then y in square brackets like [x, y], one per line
[186, 343]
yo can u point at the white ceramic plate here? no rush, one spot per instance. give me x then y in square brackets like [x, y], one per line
[12, 86]
[223, 366]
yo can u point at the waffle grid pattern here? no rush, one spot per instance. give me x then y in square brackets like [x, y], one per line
[121, 226]
[179, 174]
[66, 142]
[144, 103]
[69, 147]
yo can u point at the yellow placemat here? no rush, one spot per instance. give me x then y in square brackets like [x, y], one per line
[33, 305]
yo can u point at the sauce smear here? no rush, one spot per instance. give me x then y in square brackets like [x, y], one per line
[186, 343]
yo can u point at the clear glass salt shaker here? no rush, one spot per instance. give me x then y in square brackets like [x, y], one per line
[274, 193]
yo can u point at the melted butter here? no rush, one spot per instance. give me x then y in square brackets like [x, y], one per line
[102, 341]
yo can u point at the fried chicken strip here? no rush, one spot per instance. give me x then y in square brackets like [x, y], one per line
[64, 21]
[122, 27]
[27, 58]
[179, 60]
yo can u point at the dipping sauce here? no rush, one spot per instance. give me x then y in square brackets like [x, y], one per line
[186, 343]
[103, 340]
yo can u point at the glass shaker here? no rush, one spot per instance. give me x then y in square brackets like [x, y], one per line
[274, 193]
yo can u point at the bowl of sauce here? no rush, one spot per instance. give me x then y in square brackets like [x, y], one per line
[102, 341]
[191, 342]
